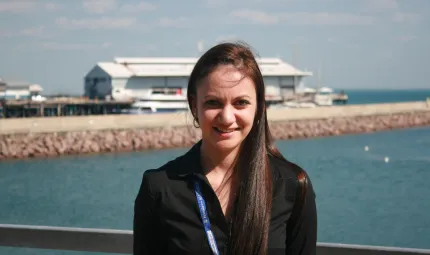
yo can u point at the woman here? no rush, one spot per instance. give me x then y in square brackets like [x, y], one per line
[232, 192]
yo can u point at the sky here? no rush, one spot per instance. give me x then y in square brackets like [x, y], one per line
[346, 44]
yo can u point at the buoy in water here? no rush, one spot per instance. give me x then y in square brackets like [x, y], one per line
[366, 148]
[386, 159]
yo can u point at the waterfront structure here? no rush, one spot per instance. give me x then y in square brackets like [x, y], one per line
[155, 80]
[18, 90]
[60, 106]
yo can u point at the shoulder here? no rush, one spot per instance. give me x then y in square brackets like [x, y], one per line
[155, 179]
[163, 170]
[168, 174]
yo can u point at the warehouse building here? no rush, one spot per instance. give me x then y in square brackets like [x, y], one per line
[143, 78]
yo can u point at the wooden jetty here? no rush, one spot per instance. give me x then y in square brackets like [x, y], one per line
[64, 106]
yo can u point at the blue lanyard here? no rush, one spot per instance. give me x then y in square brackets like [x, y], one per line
[205, 218]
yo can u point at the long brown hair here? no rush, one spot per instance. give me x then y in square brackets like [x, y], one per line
[254, 200]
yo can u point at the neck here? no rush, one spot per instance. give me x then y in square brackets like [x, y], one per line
[216, 161]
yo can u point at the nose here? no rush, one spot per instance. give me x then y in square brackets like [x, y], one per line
[226, 116]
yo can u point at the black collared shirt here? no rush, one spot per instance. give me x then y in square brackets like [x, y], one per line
[167, 217]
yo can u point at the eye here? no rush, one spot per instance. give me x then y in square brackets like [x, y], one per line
[211, 102]
[243, 102]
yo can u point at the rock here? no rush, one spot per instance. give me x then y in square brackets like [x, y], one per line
[54, 144]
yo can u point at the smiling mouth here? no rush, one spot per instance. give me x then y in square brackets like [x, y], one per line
[225, 131]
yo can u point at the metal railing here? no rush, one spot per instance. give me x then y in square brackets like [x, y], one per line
[121, 241]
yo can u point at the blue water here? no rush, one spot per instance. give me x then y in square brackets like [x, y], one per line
[361, 199]
[385, 96]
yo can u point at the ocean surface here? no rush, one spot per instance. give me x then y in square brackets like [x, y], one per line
[378, 196]
[385, 96]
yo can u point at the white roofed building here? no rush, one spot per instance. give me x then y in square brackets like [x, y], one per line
[12, 89]
[143, 78]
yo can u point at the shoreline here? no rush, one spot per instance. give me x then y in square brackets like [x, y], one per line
[54, 144]
[36, 125]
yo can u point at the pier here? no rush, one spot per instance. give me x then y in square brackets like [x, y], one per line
[64, 106]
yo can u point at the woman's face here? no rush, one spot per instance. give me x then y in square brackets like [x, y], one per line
[225, 106]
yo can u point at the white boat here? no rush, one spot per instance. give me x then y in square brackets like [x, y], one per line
[299, 104]
[155, 107]
[158, 104]
[324, 96]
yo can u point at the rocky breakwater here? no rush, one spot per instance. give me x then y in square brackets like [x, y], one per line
[87, 142]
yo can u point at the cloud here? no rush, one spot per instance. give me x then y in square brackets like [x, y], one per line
[18, 7]
[180, 22]
[150, 47]
[36, 31]
[53, 6]
[332, 39]
[96, 23]
[225, 38]
[257, 17]
[300, 18]
[5, 33]
[66, 46]
[216, 3]
[139, 7]
[406, 38]
[106, 45]
[381, 5]
[219, 3]
[405, 17]
[326, 18]
[73, 46]
[99, 6]
[106, 6]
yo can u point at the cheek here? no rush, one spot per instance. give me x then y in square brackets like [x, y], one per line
[248, 119]
[249, 114]
[207, 116]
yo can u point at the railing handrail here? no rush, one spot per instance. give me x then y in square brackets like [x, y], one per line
[67, 238]
[121, 241]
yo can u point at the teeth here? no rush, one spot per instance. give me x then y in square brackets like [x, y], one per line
[225, 131]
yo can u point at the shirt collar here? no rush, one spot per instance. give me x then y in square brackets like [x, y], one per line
[190, 163]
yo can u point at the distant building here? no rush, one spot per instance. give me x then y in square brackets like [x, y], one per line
[144, 77]
[18, 89]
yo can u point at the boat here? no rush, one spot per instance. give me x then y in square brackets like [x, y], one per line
[292, 104]
[158, 104]
[324, 96]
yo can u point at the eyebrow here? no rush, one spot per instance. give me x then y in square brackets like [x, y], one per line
[240, 96]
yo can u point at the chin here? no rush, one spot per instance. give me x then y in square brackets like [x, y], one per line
[227, 145]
